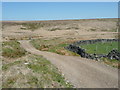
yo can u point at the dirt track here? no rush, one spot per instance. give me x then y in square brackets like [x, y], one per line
[82, 73]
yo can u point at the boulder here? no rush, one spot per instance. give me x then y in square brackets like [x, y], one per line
[114, 54]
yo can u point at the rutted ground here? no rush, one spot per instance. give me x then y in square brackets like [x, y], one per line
[80, 72]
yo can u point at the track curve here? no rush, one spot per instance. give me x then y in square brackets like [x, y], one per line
[82, 73]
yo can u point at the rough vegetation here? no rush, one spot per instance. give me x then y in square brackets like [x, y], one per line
[31, 26]
[89, 24]
[32, 71]
[82, 29]
[55, 45]
[23, 70]
[12, 49]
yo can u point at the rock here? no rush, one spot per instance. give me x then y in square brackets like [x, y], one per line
[114, 54]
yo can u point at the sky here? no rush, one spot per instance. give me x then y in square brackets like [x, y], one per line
[58, 10]
[60, 0]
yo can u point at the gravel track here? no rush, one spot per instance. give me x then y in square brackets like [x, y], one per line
[82, 73]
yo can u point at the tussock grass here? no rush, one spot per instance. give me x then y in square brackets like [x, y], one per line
[12, 49]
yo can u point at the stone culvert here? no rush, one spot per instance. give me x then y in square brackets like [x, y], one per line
[114, 54]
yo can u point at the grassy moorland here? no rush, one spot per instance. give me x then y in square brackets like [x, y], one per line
[32, 72]
[12, 49]
[24, 70]
[55, 45]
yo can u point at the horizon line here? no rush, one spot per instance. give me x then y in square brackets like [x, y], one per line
[59, 19]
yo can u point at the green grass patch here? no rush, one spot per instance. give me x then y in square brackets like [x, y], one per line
[54, 45]
[6, 66]
[49, 72]
[103, 48]
[100, 48]
[12, 49]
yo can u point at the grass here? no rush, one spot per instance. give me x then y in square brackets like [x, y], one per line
[12, 49]
[10, 82]
[53, 45]
[100, 48]
[103, 48]
[72, 28]
[54, 29]
[38, 73]
[114, 30]
[32, 26]
[113, 62]
[49, 73]
[93, 29]
[6, 66]
[57, 46]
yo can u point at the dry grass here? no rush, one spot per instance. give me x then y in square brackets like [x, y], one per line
[32, 72]
[12, 49]
[113, 63]
[55, 45]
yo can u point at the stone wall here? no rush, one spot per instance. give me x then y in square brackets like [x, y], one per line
[114, 54]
